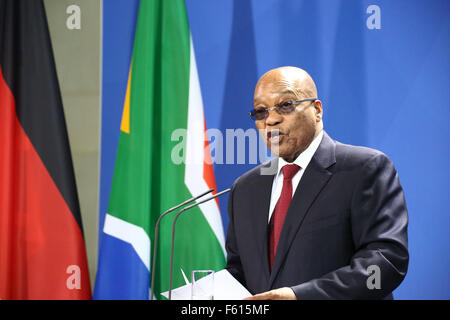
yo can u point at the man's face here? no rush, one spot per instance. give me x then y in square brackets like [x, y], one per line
[296, 129]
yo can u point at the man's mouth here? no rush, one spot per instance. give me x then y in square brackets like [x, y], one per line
[274, 136]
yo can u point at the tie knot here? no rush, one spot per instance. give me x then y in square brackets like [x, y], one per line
[290, 170]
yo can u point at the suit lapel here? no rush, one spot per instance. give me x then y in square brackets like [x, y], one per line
[261, 202]
[313, 181]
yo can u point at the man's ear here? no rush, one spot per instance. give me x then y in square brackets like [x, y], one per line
[318, 109]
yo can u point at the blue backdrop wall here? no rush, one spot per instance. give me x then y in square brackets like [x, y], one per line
[385, 88]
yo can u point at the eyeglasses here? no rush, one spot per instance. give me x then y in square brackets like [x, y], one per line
[283, 108]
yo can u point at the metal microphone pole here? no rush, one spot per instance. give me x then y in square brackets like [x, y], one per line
[155, 244]
[173, 233]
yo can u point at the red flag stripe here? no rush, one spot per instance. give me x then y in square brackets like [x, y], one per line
[208, 169]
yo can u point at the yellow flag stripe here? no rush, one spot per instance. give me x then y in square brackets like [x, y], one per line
[125, 124]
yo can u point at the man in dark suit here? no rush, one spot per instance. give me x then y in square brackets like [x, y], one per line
[323, 220]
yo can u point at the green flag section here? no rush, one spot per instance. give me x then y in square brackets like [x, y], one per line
[163, 158]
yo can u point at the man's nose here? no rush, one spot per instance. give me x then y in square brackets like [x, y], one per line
[273, 118]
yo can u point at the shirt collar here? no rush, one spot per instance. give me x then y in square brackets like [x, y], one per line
[305, 157]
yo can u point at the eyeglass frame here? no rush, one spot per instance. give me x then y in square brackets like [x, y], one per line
[252, 113]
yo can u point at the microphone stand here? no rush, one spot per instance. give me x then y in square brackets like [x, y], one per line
[155, 244]
[173, 233]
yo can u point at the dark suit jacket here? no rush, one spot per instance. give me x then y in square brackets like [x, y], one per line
[348, 213]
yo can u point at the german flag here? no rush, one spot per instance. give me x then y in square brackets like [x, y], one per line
[42, 251]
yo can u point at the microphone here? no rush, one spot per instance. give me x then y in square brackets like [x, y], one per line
[155, 245]
[173, 232]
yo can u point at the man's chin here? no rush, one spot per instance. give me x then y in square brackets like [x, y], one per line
[277, 151]
[274, 149]
[285, 154]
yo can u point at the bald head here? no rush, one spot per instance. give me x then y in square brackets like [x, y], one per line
[290, 79]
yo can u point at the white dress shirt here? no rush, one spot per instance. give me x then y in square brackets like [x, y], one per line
[302, 161]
